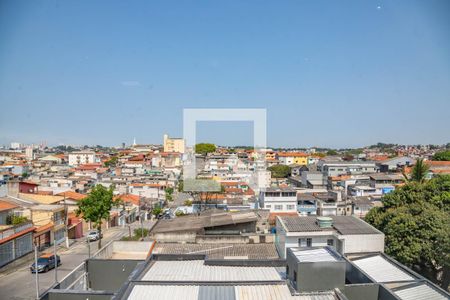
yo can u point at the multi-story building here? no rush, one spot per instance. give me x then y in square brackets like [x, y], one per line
[289, 158]
[346, 234]
[173, 144]
[278, 200]
[336, 168]
[82, 157]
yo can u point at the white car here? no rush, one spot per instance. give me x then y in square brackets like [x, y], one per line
[94, 235]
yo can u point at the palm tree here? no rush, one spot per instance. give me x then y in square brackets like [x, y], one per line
[418, 172]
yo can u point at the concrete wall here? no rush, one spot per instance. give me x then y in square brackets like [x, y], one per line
[315, 276]
[109, 275]
[361, 291]
[77, 296]
[363, 243]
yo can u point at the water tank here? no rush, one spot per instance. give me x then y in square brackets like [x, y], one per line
[325, 222]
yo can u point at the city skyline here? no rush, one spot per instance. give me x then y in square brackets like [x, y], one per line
[328, 73]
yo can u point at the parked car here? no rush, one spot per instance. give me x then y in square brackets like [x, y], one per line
[94, 235]
[45, 263]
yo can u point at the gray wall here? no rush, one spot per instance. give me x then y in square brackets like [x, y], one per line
[361, 291]
[78, 296]
[316, 276]
[109, 275]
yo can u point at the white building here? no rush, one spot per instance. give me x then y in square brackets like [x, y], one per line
[278, 199]
[29, 153]
[82, 157]
[346, 234]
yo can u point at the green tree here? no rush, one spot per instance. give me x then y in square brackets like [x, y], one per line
[332, 152]
[280, 171]
[418, 172]
[156, 211]
[415, 219]
[111, 162]
[442, 156]
[96, 207]
[204, 148]
[169, 194]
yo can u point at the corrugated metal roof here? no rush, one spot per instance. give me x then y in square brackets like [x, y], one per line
[257, 292]
[314, 255]
[240, 292]
[382, 270]
[164, 292]
[195, 270]
[219, 251]
[419, 292]
[216, 292]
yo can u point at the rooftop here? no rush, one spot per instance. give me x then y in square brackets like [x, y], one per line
[380, 269]
[220, 251]
[342, 224]
[315, 255]
[197, 271]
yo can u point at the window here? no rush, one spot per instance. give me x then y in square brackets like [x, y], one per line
[268, 206]
[309, 242]
[330, 242]
[290, 207]
[278, 207]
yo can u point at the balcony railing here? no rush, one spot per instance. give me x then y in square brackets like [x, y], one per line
[7, 232]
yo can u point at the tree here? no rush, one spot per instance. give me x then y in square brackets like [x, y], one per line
[111, 162]
[418, 172]
[156, 211]
[415, 219]
[169, 193]
[96, 206]
[442, 156]
[280, 171]
[201, 190]
[332, 152]
[204, 148]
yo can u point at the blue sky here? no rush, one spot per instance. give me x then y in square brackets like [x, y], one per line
[329, 73]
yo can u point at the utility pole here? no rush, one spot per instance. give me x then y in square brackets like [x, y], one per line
[89, 247]
[36, 270]
[65, 221]
[140, 217]
[56, 262]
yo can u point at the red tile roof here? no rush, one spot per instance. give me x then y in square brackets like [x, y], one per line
[72, 195]
[6, 205]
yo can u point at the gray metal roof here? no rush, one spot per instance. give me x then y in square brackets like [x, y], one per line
[213, 292]
[419, 292]
[314, 255]
[381, 269]
[196, 270]
[163, 292]
[208, 292]
[342, 224]
[220, 251]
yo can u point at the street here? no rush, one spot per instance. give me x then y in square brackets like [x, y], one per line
[21, 283]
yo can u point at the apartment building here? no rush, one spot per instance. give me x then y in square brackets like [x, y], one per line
[278, 200]
[173, 144]
[337, 168]
[82, 157]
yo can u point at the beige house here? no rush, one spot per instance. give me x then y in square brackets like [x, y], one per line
[173, 144]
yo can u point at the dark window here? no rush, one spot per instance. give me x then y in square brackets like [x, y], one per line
[330, 242]
[309, 242]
